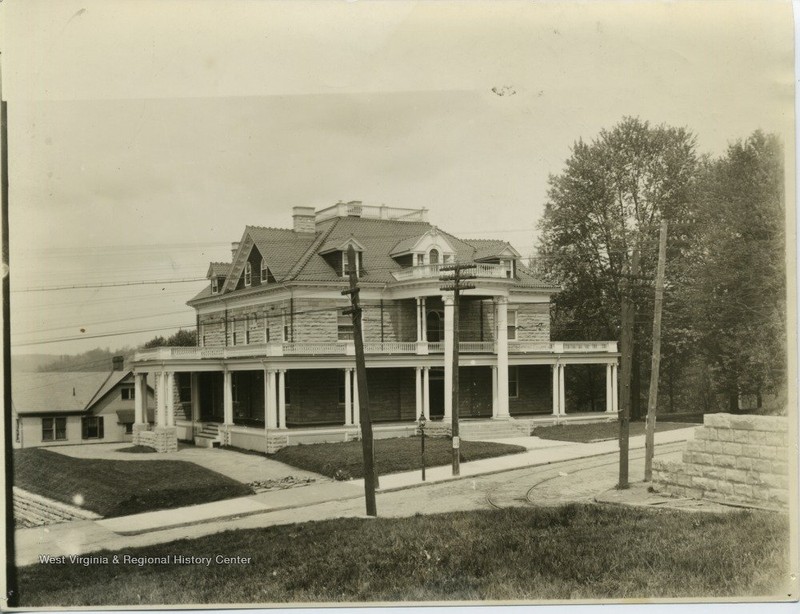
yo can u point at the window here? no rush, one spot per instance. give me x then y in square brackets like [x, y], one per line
[264, 271]
[512, 326]
[248, 274]
[345, 328]
[247, 337]
[513, 382]
[54, 429]
[420, 259]
[128, 393]
[128, 428]
[92, 427]
[235, 338]
[345, 266]
[433, 256]
[509, 265]
[184, 387]
[286, 328]
[214, 285]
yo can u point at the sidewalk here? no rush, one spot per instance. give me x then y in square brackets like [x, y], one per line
[318, 501]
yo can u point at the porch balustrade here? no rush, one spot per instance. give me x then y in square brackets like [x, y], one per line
[494, 271]
[346, 348]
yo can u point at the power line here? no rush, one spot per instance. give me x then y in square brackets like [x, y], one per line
[153, 282]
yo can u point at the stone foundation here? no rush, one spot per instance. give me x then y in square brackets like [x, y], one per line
[732, 459]
[161, 438]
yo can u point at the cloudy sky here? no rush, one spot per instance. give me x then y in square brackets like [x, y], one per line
[144, 135]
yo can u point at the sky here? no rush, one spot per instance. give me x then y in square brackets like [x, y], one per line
[143, 136]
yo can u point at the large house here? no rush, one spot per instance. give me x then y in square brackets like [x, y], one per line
[275, 361]
[63, 408]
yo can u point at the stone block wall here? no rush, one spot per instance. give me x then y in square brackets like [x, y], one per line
[732, 459]
[161, 438]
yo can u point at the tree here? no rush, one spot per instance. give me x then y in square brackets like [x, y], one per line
[181, 338]
[738, 282]
[608, 202]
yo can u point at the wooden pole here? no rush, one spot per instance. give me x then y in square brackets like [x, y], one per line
[650, 425]
[457, 284]
[626, 342]
[368, 452]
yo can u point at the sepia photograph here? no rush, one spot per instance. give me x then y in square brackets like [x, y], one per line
[414, 303]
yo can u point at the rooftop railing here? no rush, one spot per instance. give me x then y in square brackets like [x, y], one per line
[481, 270]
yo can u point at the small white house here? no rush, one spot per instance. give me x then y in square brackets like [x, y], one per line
[62, 408]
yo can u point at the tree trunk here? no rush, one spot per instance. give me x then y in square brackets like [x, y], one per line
[733, 399]
[636, 385]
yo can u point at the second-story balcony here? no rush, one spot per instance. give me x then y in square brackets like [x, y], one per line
[427, 271]
[347, 348]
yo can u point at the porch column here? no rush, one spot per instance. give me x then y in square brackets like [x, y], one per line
[426, 396]
[270, 413]
[282, 398]
[494, 391]
[227, 397]
[609, 390]
[139, 400]
[615, 387]
[419, 318]
[501, 317]
[418, 409]
[161, 393]
[562, 401]
[556, 396]
[356, 404]
[195, 397]
[424, 320]
[348, 401]
[448, 356]
[170, 398]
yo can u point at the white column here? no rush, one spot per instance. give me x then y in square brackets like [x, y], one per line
[227, 397]
[562, 401]
[494, 392]
[419, 318]
[556, 396]
[139, 400]
[609, 390]
[356, 404]
[418, 408]
[426, 397]
[348, 401]
[170, 398]
[160, 407]
[270, 411]
[501, 317]
[195, 397]
[615, 386]
[424, 319]
[282, 398]
[448, 356]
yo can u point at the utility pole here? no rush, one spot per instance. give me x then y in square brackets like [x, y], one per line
[650, 425]
[456, 285]
[363, 393]
[626, 341]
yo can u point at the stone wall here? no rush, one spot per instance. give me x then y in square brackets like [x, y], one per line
[161, 438]
[732, 459]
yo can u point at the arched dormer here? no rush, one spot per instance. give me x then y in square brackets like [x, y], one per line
[431, 248]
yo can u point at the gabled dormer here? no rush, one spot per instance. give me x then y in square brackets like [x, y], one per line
[429, 248]
[335, 254]
[502, 254]
[249, 268]
[217, 272]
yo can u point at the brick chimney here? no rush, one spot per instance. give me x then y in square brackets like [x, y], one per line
[304, 219]
[117, 363]
[234, 249]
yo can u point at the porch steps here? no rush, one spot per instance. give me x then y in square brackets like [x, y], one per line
[32, 510]
[208, 437]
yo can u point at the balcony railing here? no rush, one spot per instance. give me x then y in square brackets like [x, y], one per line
[346, 348]
[493, 271]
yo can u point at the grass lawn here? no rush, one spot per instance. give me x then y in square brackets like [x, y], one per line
[120, 487]
[585, 433]
[572, 552]
[391, 455]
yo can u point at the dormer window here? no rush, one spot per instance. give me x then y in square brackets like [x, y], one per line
[248, 274]
[346, 268]
[264, 271]
[433, 256]
[509, 267]
[215, 285]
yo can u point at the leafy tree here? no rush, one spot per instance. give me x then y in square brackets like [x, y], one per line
[738, 283]
[607, 203]
[180, 338]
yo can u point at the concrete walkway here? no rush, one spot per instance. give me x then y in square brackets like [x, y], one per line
[320, 501]
[244, 468]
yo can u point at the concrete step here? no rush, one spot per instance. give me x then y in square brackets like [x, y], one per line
[32, 510]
